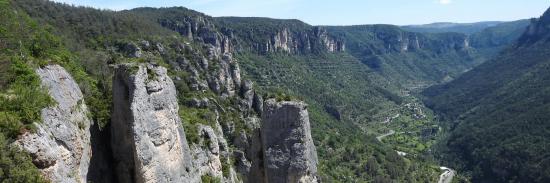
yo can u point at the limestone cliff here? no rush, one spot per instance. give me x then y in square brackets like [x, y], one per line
[199, 28]
[388, 39]
[306, 41]
[60, 148]
[225, 35]
[288, 149]
[148, 141]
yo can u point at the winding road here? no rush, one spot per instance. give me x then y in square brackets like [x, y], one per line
[380, 137]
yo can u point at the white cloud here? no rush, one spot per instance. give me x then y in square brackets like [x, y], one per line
[445, 2]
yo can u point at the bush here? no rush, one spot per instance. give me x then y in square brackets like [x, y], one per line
[210, 179]
[16, 166]
[21, 103]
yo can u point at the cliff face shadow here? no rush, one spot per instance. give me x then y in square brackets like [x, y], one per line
[101, 163]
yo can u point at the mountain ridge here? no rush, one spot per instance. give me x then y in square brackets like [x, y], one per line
[497, 112]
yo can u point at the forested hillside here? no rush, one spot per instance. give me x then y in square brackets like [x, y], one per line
[440, 27]
[498, 112]
[98, 39]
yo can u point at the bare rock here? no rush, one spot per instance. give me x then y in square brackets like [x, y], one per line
[132, 50]
[61, 146]
[148, 140]
[289, 152]
[206, 154]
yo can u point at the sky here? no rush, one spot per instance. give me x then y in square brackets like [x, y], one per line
[349, 12]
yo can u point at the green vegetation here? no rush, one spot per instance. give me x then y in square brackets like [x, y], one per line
[465, 28]
[24, 47]
[16, 166]
[416, 129]
[346, 153]
[413, 60]
[350, 94]
[192, 117]
[226, 166]
[210, 179]
[498, 113]
[22, 100]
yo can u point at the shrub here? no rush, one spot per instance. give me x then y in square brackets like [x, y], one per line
[16, 166]
[210, 179]
[21, 103]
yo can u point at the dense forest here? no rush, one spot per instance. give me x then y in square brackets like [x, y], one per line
[498, 112]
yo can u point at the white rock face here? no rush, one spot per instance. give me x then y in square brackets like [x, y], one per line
[61, 146]
[148, 139]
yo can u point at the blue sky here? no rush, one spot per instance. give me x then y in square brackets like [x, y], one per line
[349, 12]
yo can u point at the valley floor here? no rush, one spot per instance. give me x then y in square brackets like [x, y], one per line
[411, 130]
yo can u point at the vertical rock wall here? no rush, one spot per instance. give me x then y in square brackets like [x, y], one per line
[148, 140]
[60, 148]
[288, 149]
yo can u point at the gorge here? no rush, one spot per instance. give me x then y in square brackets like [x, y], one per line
[174, 95]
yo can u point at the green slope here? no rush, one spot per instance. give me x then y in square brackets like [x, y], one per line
[345, 151]
[350, 93]
[499, 112]
[441, 27]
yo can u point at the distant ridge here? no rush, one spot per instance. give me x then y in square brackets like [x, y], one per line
[465, 28]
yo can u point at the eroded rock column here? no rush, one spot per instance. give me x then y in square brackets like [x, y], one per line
[148, 139]
[288, 149]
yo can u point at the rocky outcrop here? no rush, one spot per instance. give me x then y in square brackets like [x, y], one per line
[201, 28]
[226, 38]
[249, 157]
[148, 140]
[288, 149]
[226, 80]
[207, 153]
[537, 30]
[211, 155]
[132, 50]
[411, 42]
[316, 39]
[60, 148]
[389, 39]
[330, 44]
